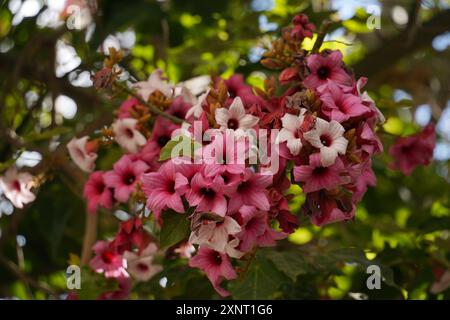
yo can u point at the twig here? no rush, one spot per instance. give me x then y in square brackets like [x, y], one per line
[152, 108]
[321, 35]
[25, 278]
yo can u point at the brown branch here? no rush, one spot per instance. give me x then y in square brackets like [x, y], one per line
[395, 48]
[321, 35]
[90, 235]
[11, 266]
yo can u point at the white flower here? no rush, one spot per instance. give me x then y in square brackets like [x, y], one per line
[328, 137]
[130, 139]
[291, 131]
[215, 234]
[16, 187]
[235, 117]
[141, 266]
[154, 82]
[83, 158]
[196, 109]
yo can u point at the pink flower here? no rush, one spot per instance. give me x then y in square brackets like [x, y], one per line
[413, 151]
[97, 193]
[180, 106]
[141, 266]
[150, 155]
[127, 108]
[235, 117]
[217, 267]
[316, 176]
[81, 155]
[328, 138]
[16, 187]
[162, 131]
[126, 173]
[215, 234]
[251, 191]
[108, 261]
[326, 67]
[165, 188]
[155, 82]
[325, 209]
[340, 106]
[441, 283]
[226, 153]
[207, 194]
[127, 136]
[253, 223]
[291, 131]
[125, 285]
[369, 141]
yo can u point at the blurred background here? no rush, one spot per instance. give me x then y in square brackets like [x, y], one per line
[48, 49]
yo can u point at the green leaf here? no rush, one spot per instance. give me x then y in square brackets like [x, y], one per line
[180, 146]
[291, 263]
[175, 228]
[261, 281]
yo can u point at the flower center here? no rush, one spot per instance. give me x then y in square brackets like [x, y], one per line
[326, 140]
[129, 133]
[319, 171]
[208, 193]
[107, 257]
[142, 267]
[323, 73]
[233, 124]
[16, 185]
[129, 178]
[218, 259]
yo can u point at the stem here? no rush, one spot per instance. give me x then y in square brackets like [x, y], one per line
[321, 35]
[90, 235]
[25, 278]
[152, 108]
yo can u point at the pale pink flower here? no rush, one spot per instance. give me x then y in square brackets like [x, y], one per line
[328, 138]
[197, 108]
[141, 266]
[125, 175]
[291, 132]
[108, 261]
[441, 284]
[340, 106]
[251, 191]
[165, 188]
[127, 136]
[97, 193]
[216, 265]
[16, 187]
[215, 234]
[185, 250]
[155, 82]
[81, 155]
[315, 176]
[326, 67]
[235, 117]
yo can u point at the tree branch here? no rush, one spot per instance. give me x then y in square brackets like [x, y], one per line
[395, 48]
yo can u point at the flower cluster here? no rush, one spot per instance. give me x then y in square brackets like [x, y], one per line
[228, 162]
